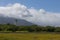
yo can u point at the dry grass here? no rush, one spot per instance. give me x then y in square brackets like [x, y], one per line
[29, 36]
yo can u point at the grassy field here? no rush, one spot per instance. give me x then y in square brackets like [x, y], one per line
[29, 36]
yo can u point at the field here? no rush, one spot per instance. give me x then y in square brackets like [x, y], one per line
[29, 36]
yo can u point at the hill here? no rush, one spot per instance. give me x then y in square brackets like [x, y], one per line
[20, 22]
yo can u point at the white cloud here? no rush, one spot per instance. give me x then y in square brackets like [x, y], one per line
[40, 17]
[14, 10]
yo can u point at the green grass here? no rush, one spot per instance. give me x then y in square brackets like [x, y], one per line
[29, 36]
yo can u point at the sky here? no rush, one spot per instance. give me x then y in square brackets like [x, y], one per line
[48, 5]
[40, 12]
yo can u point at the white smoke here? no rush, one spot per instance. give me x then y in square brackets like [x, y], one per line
[40, 17]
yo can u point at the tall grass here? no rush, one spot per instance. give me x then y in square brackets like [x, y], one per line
[29, 36]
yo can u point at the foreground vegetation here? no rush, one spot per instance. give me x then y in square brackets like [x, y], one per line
[34, 32]
[33, 28]
[29, 36]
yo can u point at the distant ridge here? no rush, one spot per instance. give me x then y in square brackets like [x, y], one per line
[20, 22]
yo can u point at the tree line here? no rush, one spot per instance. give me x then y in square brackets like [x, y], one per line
[33, 28]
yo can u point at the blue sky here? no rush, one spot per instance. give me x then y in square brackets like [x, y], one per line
[48, 5]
